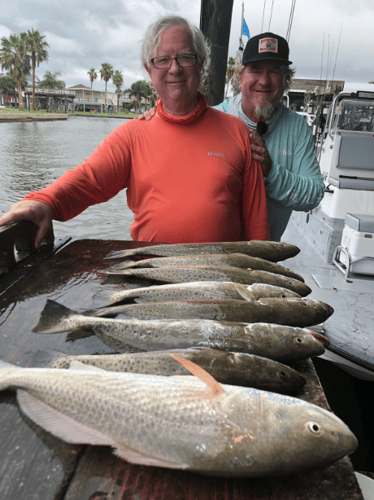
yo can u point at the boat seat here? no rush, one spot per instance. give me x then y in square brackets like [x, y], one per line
[360, 222]
[352, 183]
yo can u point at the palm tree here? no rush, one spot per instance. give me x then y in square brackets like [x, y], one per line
[92, 75]
[50, 81]
[14, 59]
[37, 47]
[230, 70]
[106, 74]
[118, 81]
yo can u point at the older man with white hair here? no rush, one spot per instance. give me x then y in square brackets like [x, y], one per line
[189, 172]
[281, 140]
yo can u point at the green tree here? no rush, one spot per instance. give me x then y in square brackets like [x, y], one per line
[92, 75]
[7, 85]
[106, 74]
[118, 81]
[50, 81]
[14, 59]
[36, 46]
[140, 89]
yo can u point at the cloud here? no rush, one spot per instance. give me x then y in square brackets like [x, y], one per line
[4, 31]
[61, 44]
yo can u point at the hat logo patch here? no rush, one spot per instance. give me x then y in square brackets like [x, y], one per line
[268, 45]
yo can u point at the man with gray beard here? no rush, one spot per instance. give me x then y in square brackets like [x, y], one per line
[281, 140]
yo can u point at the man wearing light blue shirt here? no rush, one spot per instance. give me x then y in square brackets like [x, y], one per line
[281, 139]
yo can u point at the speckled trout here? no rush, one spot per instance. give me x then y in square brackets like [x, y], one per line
[268, 250]
[300, 312]
[213, 273]
[242, 369]
[198, 290]
[282, 343]
[181, 422]
[231, 260]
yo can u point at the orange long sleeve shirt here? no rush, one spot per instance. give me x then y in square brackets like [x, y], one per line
[188, 179]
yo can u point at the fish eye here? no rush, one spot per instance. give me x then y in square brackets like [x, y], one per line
[283, 374]
[298, 340]
[314, 428]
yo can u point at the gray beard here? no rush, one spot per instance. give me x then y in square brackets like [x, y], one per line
[265, 111]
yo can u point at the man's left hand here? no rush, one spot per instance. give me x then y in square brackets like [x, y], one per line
[260, 152]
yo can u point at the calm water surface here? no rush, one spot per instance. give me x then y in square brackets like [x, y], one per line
[32, 155]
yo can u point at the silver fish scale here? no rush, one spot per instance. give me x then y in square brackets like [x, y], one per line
[154, 407]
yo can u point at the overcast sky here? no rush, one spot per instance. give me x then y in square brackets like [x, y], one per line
[84, 34]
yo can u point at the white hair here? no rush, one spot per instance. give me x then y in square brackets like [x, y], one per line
[200, 45]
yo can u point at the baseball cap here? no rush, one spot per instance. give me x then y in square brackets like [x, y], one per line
[266, 47]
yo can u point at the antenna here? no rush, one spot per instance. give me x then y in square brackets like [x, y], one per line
[337, 51]
[263, 14]
[271, 14]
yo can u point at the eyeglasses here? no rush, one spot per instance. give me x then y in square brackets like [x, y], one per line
[164, 62]
[261, 128]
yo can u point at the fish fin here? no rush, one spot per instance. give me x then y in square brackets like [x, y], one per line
[78, 365]
[244, 292]
[58, 424]
[137, 457]
[53, 318]
[200, 373]
[121, 254]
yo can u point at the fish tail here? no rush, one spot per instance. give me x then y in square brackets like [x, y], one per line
[103, 298]
[54, 318]
[5, 371]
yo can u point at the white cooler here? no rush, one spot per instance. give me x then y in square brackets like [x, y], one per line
[356, 251]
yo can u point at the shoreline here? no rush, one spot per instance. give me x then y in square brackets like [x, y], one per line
[28, 117]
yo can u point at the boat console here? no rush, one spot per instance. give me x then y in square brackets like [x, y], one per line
[341, 227]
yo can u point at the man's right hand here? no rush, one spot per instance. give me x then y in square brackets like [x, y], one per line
[38, 212]
[147, 115]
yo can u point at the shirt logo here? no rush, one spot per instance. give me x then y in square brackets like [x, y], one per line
[219, 155]
[268, 45]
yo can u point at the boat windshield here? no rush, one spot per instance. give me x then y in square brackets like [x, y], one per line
[354, 115]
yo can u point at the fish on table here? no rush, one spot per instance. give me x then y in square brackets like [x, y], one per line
[268, 250]
[197, 290]
[223, 260]
[212, 273]
[282, 343]
[300, 312]
[181, 422]
[241, 369]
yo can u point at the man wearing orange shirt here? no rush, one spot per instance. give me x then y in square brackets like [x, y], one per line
[189, 173]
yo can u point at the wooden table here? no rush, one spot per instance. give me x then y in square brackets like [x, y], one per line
[36, 465]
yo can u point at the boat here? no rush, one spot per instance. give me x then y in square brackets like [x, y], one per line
[341, 229]
[42, 466]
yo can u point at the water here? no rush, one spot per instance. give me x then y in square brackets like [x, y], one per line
[32, 155]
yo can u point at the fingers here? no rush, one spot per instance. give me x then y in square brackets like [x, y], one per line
[148, 114]
[41, 234]
[38, 212]
[260, 152]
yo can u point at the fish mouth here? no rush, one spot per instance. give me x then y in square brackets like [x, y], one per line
[324, 340]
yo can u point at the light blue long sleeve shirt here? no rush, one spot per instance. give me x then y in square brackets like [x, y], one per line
[294, 181]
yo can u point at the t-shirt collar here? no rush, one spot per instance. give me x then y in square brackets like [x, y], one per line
[182, 119]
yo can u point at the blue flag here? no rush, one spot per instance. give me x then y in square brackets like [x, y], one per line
[245, 29]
